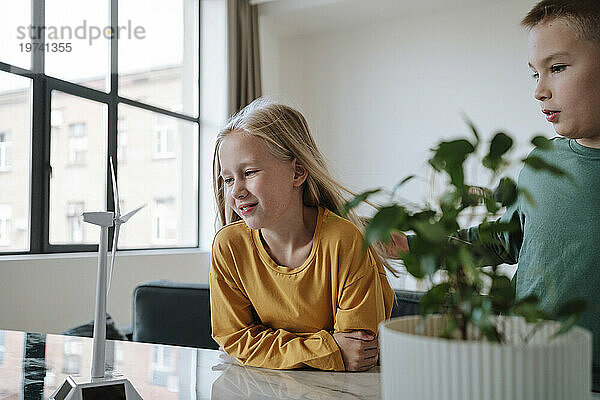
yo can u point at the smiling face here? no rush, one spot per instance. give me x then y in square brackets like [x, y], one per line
[567, 69]
[260, 188]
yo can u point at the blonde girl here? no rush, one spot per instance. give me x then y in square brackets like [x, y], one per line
[291, 285]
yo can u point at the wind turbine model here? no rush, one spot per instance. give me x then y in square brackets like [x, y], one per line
[99, 386]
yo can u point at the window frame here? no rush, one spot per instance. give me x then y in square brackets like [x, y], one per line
[41, 170]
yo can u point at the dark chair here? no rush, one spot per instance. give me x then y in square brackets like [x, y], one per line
[174, 313]
[406, 302]
[87, 330]
[178, 313]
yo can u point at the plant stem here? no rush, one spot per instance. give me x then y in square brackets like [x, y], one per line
[533, 331]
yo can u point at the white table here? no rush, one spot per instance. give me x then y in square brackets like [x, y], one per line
[32, 366]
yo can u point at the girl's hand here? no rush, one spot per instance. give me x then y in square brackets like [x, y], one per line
[360, 349]
[398, 243]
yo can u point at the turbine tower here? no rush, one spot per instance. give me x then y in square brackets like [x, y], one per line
[99, 385]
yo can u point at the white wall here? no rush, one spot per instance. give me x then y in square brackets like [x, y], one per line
[379, 94]
[51, 294]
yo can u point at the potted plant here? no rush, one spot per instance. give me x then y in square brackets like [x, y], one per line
[473, 339]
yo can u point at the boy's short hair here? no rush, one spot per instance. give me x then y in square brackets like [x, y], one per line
[582, 15]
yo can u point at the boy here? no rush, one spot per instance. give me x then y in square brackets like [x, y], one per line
[558, 245]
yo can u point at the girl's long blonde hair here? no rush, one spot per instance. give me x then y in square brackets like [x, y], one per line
[287, 136]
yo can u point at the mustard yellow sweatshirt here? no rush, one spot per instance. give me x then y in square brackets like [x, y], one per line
[271, 316]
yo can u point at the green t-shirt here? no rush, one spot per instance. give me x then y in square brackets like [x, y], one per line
[558, 245]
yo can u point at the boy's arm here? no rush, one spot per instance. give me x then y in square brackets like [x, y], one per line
[237, 330]
[505, 246]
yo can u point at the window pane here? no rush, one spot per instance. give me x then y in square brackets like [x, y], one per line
[15, 162]
[84, 27]
[78, 157]
[15, 20]
[159, 65]
[161, 171]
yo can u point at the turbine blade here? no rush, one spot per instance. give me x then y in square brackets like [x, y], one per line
[115, 190]
[114, 251]
[102, 218]
[130, 214]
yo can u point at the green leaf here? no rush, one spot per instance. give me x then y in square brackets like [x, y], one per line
[473, 128]
[451, 327]
[434, 300]
[530, 312]
[357, 200]
[506, 193]
[432, 232]
[491, 205]
[425, 215]
[481, 318]
[528, 309]
[467, 262]
[490, 230]
[402, 182]
[500, 144]
[542, 143]
[540, 164]
[502, 294]
[449, 157]
[449, 200]
[576, 306]
[570, 313]
[454, 151]
[383, 223]
[531, 299]
[566, 325]
[413, 265]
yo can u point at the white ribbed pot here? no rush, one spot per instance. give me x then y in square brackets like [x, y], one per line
[424, 366]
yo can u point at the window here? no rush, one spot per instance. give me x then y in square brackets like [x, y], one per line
[165, 138]
[162, 368]
[165, 222]
[75, 221]
[5, 216]
[72, 355]
[15, 161]
[56, 119]
[121, 140]
[134, 97]
[77, 143]
[118, 356]
[78, 167]
[4, 151]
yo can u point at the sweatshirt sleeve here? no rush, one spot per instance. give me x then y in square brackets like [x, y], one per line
[366, 298]
[238, 330]
[505, 246]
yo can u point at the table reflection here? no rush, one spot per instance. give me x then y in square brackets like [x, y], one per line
[33, 365]
[239, 382]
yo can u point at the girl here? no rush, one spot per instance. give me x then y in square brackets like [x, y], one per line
[291, 285]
